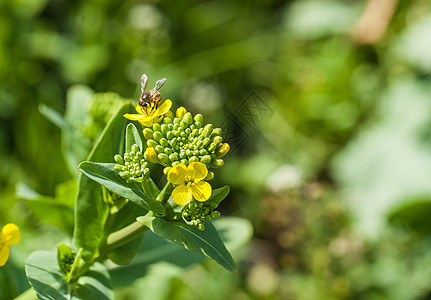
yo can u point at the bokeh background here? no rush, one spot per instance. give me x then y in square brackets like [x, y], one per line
[326, 104]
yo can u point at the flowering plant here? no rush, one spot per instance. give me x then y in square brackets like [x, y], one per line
[118, 200]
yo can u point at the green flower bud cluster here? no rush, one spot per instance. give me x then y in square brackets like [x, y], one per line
[132, 166]
[196, 213]
[102, 106]
[185, 139]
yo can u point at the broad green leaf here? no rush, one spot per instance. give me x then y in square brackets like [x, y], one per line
[206, 242]
[106, 175]
[75, 146]
[48, 209]
[91, 211]
[219, 194]
[234, 232]
[415, 216]
[48, 281]
[132, 137]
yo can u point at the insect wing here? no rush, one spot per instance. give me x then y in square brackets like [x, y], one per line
[144, 80]
[159, 84]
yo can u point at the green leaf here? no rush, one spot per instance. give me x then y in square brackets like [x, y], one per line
[106, 175]
[48, 281]
[219, 194]
[206, 242]
[75, 146]
[235, 233]
[48, 209]
[91, 211]
[133, 137]
[415, 216]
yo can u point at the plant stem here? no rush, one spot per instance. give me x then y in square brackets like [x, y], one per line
[122, 236]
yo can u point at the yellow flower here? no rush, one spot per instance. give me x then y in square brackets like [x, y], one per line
[9, 235]
[149, 116]
[190, 181]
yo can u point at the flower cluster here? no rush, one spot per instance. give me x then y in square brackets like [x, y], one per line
[9, 235]
[188, 150]
[196, 213]
[132, 166]
[185, 139]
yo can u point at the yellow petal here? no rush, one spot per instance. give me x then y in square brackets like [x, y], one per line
[177, 174]
[182, 195]
[10, 234]
[147, 123]
[133, 117]
[201, 191]
[4, 255]
[140, 110]
[165, 107]
[197, 171]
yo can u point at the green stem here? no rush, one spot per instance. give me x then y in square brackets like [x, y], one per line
[122, 236]
[164, 195]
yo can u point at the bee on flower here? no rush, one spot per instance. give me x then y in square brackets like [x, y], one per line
[149, 109]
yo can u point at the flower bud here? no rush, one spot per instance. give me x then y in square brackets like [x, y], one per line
[156, 127]
[183, 124]
[151, 143]
[217, 140]
[169, 115]
[167, 120]
[217, 163]
[169, 135]
[148, 133]
[168, 151]
[184, 161]
[203, 152]
[157, 135]
[164, 158]
[164, 142]
[193, 159]
[210, 175]
[208, 129]
[206, 159]
[135, 148]
[118, 159]
[216, 131]
[201, 227]
[166, 170]
[199, 118]
[198, 125]
[215, 214]
[124, 175]
[118, 167]
[181, 111]
[188, 118]
[173, 157]
[222, 150]
[151, 155]
[164, 129]
[159, 149]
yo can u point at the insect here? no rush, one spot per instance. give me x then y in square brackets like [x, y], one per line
[150, 100]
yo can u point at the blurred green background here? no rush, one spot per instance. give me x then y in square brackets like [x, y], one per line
[326, 104]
